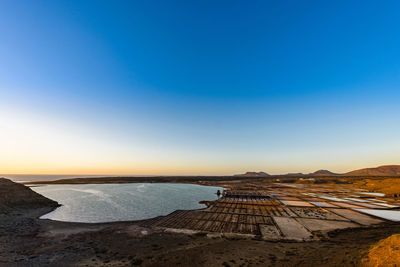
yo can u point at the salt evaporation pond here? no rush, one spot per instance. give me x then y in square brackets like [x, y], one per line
[123, 202]
[392, 215]
[373, 194]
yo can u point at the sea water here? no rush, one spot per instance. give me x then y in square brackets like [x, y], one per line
[123, 202]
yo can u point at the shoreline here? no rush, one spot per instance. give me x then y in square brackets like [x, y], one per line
[26, 240]
[204, 204]
[201, 180]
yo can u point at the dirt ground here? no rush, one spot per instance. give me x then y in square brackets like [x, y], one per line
[26, 241]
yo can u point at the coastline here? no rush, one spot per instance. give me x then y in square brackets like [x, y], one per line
[26, 240]
[178, 199]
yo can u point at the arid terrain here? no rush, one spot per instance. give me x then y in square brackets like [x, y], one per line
[26, 240]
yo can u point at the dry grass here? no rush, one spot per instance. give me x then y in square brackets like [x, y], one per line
[385, 253]
[383, 185]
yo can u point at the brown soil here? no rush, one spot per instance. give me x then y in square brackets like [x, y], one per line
[31, 242]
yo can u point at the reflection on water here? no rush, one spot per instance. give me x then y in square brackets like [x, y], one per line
[122, 202]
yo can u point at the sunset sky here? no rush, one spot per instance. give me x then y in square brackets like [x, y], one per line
[198, 87]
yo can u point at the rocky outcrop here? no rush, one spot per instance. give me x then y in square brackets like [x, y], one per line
[15, 196]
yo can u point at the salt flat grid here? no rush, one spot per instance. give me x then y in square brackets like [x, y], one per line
[280, 211]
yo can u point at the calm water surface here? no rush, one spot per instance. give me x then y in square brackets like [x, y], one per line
[122, 202]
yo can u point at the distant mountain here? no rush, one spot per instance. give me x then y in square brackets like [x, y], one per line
[253, 174]
[388, 170]
[317, 173]
[322, 173]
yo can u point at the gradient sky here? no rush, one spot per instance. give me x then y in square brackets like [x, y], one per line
[198, 87]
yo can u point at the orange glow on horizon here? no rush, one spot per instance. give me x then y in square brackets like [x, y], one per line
[42, 145]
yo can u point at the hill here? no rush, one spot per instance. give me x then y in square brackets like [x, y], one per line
[388, 170]
[253, 174]
[322, 173]
[14, 196]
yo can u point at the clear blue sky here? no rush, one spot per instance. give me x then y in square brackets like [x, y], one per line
[198, 87]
